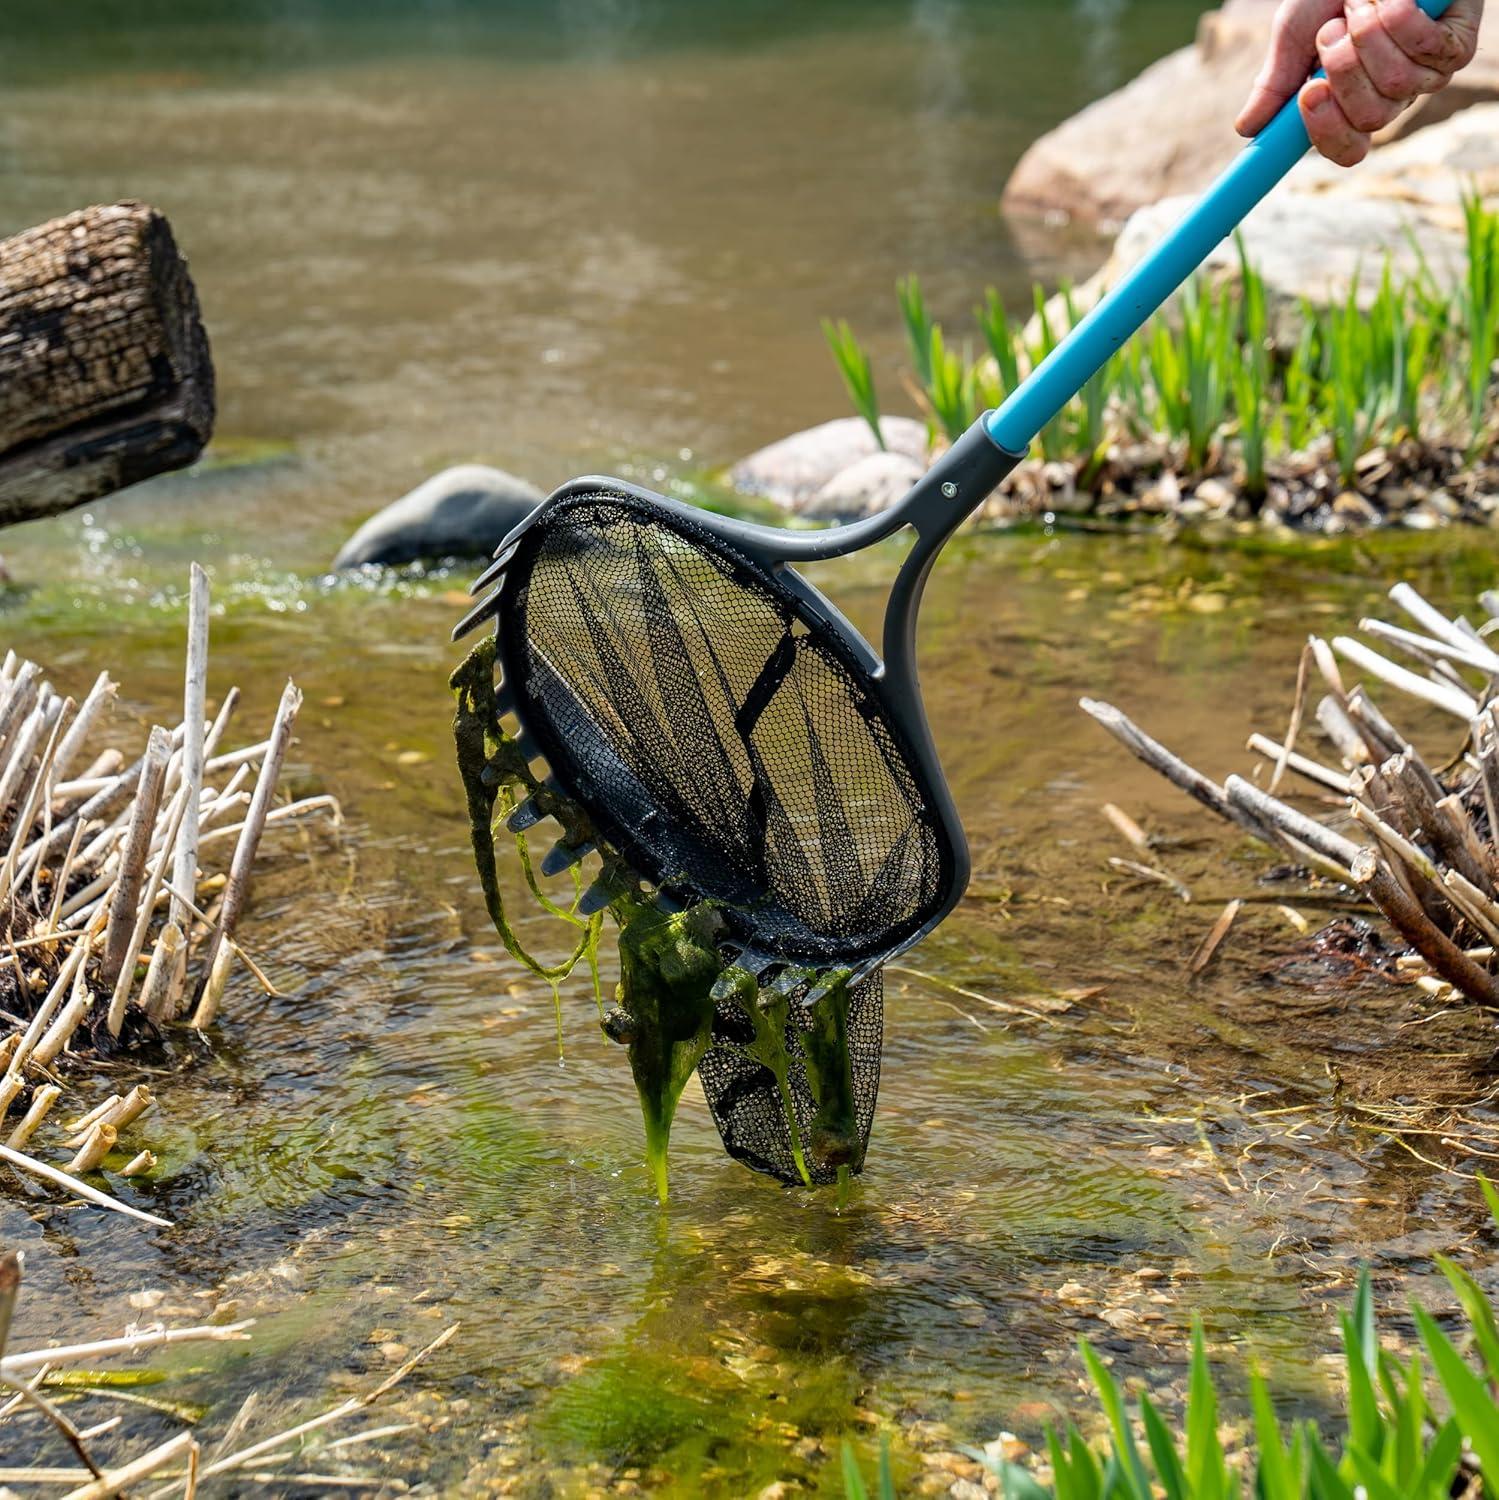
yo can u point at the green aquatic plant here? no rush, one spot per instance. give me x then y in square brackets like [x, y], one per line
[491, 766]
[1251, 375]
[835, 1135]
[672, 974]
[953, 388]
[918, 326]
[1300, 398]
[1397, 1442]
[853, 1479]
[769, 1014]
[1190, 370]
[1478, 306]
[857, 372]
[1003, 339]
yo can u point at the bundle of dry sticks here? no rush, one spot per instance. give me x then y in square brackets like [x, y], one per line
[1427, 851]
[109, 925]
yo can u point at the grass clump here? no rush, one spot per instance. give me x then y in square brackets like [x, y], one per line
[1416, 1429]
[1207, 390]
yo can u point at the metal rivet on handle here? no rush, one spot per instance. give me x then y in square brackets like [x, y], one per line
[949, 489]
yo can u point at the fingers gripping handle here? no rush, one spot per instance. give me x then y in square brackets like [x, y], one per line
[1262, 164]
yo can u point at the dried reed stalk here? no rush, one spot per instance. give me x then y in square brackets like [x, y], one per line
[220, 950]
[123, 902]
[185, 858]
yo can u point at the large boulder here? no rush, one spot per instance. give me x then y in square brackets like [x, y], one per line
[1326, 226]
[460, 512]
[866, 487]
[1304, 245]
[1428, 172]
[1170, 131]
[793, 470]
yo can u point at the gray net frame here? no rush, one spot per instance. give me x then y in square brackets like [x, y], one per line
[724, 738]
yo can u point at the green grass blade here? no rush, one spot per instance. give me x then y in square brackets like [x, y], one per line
[887, 1474]
[1084, 1469]
[918, 322]
[1205, 1466]
[1480, 1315]
[857, 372]
[1442, 1458]
[1473, 1407]
[853, 1480]
[1325, 1481]
[1491, 1197]
[1163, 1454]
[1016, 1484]
[1275, 1475]
[1371, 1480]
[1127, 1454]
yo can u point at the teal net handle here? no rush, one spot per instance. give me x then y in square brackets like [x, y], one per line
[1069, 367]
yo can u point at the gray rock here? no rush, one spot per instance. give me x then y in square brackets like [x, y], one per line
[865, 487]
[1311, 240]
[1430, 171]
[793, 470]
[460, 512]
[1314, 246]
[1125, 151]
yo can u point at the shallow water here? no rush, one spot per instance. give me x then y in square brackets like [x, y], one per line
[556, 246]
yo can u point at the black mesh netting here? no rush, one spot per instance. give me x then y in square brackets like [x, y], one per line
[721, 738]
[745, 1100]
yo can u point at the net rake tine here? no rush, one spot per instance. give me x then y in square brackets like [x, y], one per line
[496, 569]
[756, 963]
[485, 609]
[526, 815]
[562, 856]
[823, 987]
[595, 898]
[783, 982]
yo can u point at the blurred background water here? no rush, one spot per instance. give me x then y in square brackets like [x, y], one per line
[547, 235]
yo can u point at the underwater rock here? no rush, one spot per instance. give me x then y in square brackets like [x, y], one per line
[865, 487]
[792, 471]
[460, 512]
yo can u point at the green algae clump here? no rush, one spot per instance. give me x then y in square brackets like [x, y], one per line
[834, 1137]
[668, 965]
[672, 973]
[491, 766]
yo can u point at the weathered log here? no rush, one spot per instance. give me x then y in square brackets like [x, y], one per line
[105, 374]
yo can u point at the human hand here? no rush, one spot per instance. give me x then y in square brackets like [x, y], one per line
[1378, 56]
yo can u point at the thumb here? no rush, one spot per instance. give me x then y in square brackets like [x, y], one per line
[1289, 62]
[1462, 19]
